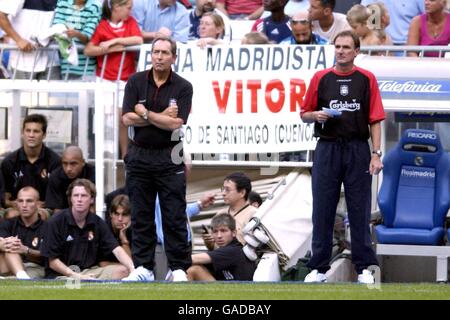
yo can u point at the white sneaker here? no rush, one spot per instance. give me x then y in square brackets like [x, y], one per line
[22, 275]
[140, 274]
[179, 276]
[315, 276]
[366, 277]
[169, 276]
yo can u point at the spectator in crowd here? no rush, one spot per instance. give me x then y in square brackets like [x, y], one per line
[73, 167]
[162, 18]
[202, 7]
[276, 26]
[21, 238]
[119, 223]
[31, 164]
[255, 38]
[241, 9]
[325, 22]
[211, 30]
[226, 262]
[401, 13]
[302, 31]
[116, 30]
[358, 18]
[81, 18]
[431, 28]
[342, 155]
[294, 6]
[156, 104]
[161, 269]
[235, 191]
[379, 21]
[89, 239]
[4, 57]
[23, 21]
[255, 199]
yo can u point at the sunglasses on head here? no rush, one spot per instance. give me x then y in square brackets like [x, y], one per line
[302, 21]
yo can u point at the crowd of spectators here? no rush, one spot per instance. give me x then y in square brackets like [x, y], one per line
[105, 28]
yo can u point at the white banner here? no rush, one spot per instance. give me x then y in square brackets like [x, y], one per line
[247, 98]
[59, 127]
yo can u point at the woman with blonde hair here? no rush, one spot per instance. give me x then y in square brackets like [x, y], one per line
[431, 28]
[211, 30]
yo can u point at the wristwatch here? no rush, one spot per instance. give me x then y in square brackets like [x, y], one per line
[378, 152]
[145, 115]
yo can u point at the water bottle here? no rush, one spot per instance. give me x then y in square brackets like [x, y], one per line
[347, 230]
[172, 102]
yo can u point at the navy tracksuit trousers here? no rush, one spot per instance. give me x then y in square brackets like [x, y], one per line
[336, 163]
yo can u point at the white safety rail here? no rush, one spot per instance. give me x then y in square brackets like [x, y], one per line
[11, 92]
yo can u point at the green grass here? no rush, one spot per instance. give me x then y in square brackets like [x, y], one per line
[49, 290]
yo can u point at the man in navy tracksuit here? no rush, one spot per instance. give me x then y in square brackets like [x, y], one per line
[345, 104]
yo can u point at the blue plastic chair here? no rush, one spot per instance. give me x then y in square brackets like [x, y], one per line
[415, 193]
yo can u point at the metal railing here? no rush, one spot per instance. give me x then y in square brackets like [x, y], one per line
[402, 51]
[53, 52]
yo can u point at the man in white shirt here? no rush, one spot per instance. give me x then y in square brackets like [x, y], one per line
[325, 22]
[23, 21]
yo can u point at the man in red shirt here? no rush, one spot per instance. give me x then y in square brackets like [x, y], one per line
[345, 105]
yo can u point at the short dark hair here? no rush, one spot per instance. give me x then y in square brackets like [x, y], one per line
[87, 184]
[123, 201]
[328, 4]
[36, 118]
[241, 181]
[351, 34]
[254, 196]
[173, 44]
[223, 219]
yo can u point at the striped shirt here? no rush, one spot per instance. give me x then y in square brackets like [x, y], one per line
[83, 19]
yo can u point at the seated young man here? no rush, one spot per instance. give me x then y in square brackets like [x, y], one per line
[21, 237]
[228, 261]
[119, 223]
[76, 239]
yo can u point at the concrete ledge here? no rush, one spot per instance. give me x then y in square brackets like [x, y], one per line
[442, 253]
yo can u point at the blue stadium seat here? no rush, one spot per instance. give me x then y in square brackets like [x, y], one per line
[415, 193]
